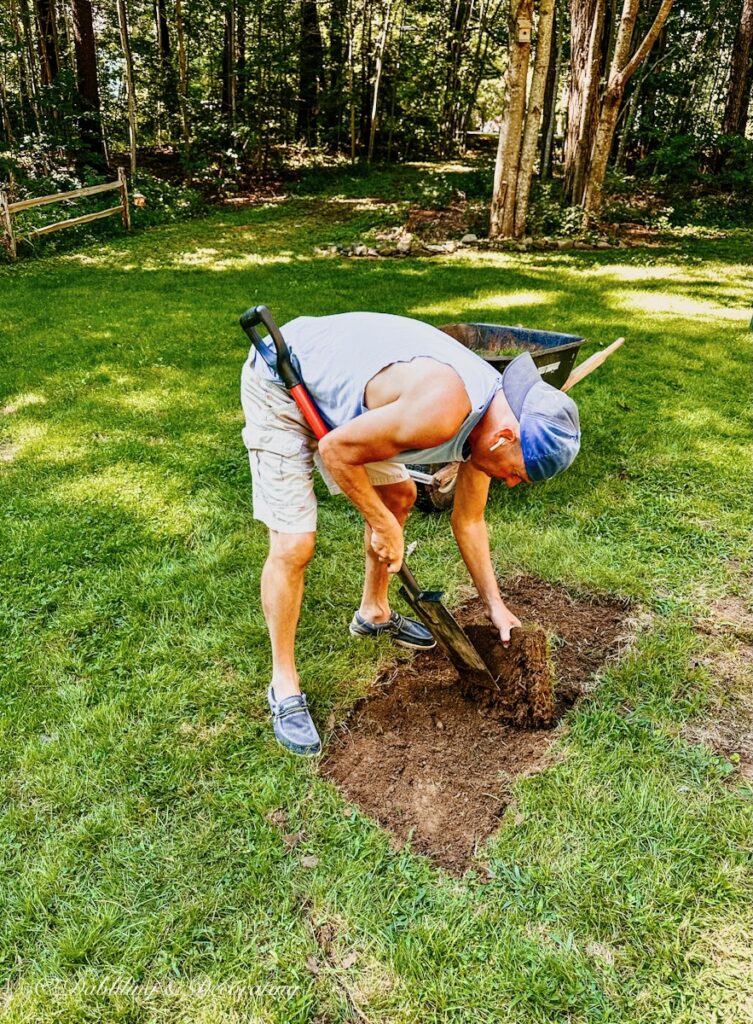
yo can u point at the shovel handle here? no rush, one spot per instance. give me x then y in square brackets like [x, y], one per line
[290, 377]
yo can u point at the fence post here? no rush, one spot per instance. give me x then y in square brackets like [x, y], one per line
[126, 213]
[7, 224]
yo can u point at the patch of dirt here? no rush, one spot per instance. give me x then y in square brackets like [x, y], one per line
[429, 764]
[524, 674]
[728, 660]
[456, 218]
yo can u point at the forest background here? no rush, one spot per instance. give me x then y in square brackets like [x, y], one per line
[595, 115]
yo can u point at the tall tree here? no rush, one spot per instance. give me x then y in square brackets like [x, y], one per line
[229, 63]
[165, 100]
[311, 73]
[338, 63]
[623, 66]
[735, 118]
[549, 115]
[87, 87]
[533, 114]
[125, 42]
[182, 79]
[461, 12]
[378, 67]
[47, 39]
[586, 32]
[502, 214]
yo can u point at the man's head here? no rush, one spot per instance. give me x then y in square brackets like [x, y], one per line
[530, 432]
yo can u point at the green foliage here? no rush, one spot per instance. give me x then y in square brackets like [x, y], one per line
[678, 160]
[550, 215]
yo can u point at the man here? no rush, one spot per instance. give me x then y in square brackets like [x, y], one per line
[396, 391]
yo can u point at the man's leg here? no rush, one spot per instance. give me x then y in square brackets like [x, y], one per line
[281, 595]
[375, 606]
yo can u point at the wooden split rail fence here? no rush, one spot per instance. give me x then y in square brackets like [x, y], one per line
[7, 209]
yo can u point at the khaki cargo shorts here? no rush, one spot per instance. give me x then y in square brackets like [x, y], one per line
[282, 452]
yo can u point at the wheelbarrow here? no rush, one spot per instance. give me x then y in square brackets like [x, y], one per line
[554, 354]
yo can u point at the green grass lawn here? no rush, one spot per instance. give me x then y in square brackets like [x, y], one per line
[142, 878]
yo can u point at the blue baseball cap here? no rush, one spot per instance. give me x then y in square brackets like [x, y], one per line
[549, 423]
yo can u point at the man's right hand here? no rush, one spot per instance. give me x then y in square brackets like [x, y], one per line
[387, 543]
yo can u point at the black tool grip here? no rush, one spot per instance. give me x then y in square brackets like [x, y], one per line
[249, 321]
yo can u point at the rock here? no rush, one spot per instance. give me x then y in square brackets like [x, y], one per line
[469, 239]
[603, 244]
[404, 245]
[360, 250]
[580, 244]
[564, 243]
[372, 252]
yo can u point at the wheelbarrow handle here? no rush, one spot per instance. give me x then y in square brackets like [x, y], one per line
[290, 377]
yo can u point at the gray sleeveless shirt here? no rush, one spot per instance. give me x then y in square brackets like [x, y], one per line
[338, 355]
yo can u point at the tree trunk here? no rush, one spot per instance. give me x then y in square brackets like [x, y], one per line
[90, 118]
[549, 116]
[620, 72]
[310, 73]
[627, 127]
[125, 43]
[241, 70]
[228, 63]
[502, 213]
[740, 76]
[182, 79]
[533, 114]
[26, 61]
[337, 62]
[460, 15]
[48, 52]
[7, 127]
[167, 88]
[586, 31]
[381, 44]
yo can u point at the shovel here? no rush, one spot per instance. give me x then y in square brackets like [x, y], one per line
[427, 604]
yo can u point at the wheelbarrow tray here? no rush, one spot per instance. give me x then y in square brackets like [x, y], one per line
[554, 354]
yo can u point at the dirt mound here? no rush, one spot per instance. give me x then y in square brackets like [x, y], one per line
[524, 694]
[429, 764]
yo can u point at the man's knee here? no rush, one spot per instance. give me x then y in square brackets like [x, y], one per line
[293, 550]
[399, 497]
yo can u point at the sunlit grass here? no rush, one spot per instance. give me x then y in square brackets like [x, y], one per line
[138, 768]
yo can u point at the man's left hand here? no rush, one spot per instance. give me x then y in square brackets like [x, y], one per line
[505, 621]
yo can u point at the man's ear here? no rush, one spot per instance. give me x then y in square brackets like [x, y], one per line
[501, 437]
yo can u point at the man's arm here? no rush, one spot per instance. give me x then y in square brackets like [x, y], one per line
[469, 528]
[421, 417]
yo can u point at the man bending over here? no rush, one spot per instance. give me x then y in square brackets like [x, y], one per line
[396, 391]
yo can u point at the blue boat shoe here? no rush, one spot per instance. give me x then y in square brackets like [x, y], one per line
[405, 632]
[293, 725]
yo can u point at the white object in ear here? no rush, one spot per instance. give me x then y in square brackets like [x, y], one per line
[498, 444]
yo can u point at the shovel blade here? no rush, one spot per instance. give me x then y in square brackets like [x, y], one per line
[447, 631]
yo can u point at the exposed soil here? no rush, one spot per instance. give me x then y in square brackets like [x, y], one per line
[727, 726]
[524, 691]
[430, 764]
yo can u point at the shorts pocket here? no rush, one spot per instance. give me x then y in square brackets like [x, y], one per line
[267, 439]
